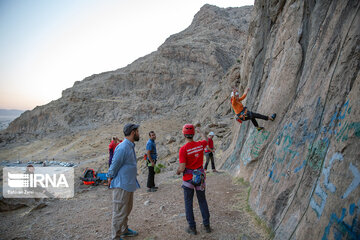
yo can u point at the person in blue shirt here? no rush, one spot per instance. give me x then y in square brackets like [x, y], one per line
[122, 180]
[151, 160]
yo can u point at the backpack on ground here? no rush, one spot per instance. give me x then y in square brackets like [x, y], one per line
[89, 177]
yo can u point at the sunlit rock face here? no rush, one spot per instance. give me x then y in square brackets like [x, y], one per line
[302, 62]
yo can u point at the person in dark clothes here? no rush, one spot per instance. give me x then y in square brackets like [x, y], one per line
[151, 160]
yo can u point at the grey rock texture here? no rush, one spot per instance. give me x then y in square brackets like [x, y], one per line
[302, 61]
[186, 67]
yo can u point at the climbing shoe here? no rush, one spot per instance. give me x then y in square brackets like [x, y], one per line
[272, 117]
[259, 128]
[207, 228]
[129, 233]
[191, 230]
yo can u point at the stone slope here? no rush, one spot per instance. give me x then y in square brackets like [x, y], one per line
[302, 61]
[188, 66]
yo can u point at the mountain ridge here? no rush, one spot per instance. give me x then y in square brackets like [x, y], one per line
[300, 60]
[175, 74]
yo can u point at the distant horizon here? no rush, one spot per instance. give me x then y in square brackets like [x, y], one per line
[47, 46]
[19, 110]
[12, 109]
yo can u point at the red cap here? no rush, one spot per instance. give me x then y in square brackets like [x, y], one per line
[188, 129]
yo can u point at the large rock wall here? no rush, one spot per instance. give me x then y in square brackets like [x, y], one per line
[302, 61]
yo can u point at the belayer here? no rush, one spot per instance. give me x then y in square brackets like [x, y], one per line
[243, 114]
[191, 157]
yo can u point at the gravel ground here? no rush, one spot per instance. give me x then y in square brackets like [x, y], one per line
[88, 214]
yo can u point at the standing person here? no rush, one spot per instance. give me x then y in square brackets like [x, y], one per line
[209, 152]
[113, 144]
[243, 114]
[191, 157]
[151, 160]
[122, 180]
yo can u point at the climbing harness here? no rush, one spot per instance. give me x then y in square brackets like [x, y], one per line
[242, 115]
[198, 179]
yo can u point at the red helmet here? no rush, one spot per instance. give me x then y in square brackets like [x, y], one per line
[188, 129]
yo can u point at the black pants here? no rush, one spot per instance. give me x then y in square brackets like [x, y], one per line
[151, 178]
[209, 156]
[252, 115]
[204, 209]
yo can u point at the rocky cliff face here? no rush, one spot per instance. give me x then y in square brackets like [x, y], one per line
[186, 67]
[302, 61]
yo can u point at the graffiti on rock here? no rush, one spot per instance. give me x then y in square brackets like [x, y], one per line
[253, 145]
[291, 140]
[326, 172]
[355, 182]
[341, 228]
[289, 149]
[318, 208]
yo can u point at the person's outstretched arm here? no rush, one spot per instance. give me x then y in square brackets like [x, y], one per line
[201, 133]
[244, 95]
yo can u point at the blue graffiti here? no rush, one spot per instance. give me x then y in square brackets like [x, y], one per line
[355, 182]
[290, 149]
[290, 146]
[326, 172]
[319, 208]
[340, 228]
[343, 134]
[298, 169]
[337, 116]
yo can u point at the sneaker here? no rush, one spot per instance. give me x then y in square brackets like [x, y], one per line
[272, 117]
[207, 228]
[191, 230]
[214, 170]
[155, 188]
[151, 190]
[130, 233]
[259, 128]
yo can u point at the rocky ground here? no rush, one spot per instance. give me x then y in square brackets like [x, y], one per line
[157, 215]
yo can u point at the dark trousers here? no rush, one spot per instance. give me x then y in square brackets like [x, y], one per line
[252, 115]
[188, 198]
[151, 178]
[209, 156]
[111, 154]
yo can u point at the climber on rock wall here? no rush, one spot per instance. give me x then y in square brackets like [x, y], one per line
[243, 114]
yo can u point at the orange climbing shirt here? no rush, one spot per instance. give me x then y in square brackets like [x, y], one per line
[237, 105]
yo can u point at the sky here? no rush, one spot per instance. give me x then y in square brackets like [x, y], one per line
[47, 45]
